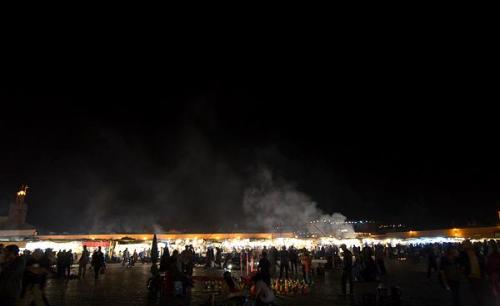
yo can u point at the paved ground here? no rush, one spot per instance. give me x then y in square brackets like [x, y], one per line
[127, 286]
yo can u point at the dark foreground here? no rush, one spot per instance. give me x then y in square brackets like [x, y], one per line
[127, 286]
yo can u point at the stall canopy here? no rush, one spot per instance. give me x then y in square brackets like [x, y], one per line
[95, 244]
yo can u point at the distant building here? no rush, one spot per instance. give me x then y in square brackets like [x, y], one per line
[14, 225]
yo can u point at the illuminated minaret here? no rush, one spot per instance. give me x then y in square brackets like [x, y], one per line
[18, 210]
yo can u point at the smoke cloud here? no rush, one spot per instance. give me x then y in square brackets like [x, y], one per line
[272, 204]
[194, 176]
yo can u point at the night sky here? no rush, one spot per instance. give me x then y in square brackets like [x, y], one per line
[178, 153]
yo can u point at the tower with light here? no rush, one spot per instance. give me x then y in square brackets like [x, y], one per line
[19, 209]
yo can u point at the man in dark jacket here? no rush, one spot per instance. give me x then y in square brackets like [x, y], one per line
[273, 257]
[346, 270]
[164, 260]
[265, 268]
[68, 262]
[60, 263]
[284, 262]
[97, 262]
[83, 262]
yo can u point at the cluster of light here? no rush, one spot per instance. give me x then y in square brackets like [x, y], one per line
[137, 247]
[390, 225]
[327, 221]
[341, 222]
[359, 222]
[387, 242]
[228, 245]
[74, 246]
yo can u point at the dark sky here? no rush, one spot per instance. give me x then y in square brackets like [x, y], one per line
[404, 144]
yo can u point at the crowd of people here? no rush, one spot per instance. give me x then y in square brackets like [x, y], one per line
[459, 267]
[23, 276]
[179, 267]
[466, 266]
